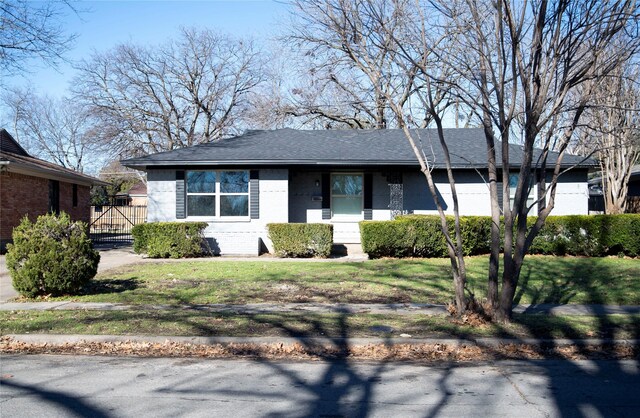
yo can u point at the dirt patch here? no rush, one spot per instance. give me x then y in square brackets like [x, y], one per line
[298, 293]
[179, 283]
[378, 352]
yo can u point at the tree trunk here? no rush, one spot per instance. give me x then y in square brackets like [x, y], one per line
[459, 285]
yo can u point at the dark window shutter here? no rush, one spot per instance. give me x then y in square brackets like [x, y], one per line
[180, 195]
[254, 194]
[500, 194]
[368, 196]
[326, 196]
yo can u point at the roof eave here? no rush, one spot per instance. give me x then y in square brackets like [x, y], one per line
[141, 164]
[28, 169]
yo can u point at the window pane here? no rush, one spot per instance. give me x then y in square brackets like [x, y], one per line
[199, 205]
[201, 182]
[234, 205]
[347, 205]
[234, 182]
[513, 184]
[345, 184]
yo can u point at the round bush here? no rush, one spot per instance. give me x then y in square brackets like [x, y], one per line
[52, 256]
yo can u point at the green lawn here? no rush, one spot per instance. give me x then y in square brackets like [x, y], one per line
[190, 323]
[544, 279]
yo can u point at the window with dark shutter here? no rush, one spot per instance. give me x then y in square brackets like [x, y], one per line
[254, 191]
[368, 196]
[217, 194]
[180, 195]
[75, 196]
[326, 196]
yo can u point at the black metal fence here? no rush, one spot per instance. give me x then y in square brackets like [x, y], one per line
[113, 224]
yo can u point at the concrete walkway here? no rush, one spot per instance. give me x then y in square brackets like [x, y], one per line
[353, 308]
[7, 292]
[109, 259]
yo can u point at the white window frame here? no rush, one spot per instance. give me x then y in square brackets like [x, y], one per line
[217, 193]
[345, 217]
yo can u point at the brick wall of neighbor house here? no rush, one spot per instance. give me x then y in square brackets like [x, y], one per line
[226, 237]
[81, 212]
[28, 195]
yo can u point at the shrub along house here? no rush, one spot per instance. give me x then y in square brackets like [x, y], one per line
[239, 185]
[32, 187]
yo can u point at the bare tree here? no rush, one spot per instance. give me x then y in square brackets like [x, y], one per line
[57, 130]
[519, 67]
[306, 96]
[31, 29]
[612, 132]
[188, 91]
[525, 68]
[331, 91]
[380, 39]
[561, 46]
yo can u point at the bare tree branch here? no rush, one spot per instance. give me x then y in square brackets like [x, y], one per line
[188, 91]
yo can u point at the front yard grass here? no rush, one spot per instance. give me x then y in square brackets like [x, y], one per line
[193, 323]
[544, 279]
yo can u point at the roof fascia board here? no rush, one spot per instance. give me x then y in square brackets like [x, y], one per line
[145, 165]
[14, 167]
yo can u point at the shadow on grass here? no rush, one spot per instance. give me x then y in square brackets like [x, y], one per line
[561, 287]
[109, 286]
[343, 390]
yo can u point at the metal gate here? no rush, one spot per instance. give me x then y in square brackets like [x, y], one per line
[113, 224]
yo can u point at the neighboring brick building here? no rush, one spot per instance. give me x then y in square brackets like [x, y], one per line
[32, 187]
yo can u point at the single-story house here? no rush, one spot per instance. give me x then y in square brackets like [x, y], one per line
[239, 185]
[135, 196]
[33, 187]
[596, 197]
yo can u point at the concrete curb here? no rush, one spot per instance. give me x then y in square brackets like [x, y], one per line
[59, 339]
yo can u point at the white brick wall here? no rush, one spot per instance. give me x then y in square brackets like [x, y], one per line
[227, 237]
[161, 195]
[278, 205]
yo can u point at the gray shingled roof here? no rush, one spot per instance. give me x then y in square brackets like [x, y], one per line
[336, 147]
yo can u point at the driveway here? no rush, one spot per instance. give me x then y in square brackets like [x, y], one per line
[38, 385]
[109, 259]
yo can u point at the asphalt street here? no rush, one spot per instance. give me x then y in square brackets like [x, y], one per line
[49, 386]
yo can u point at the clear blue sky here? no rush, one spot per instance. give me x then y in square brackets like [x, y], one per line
[108, 23]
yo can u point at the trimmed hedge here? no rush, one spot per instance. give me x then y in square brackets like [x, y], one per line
[593, 235]
[52, 256]
[420, 236]
[301, 240]
[170, 239]
[585, 235]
